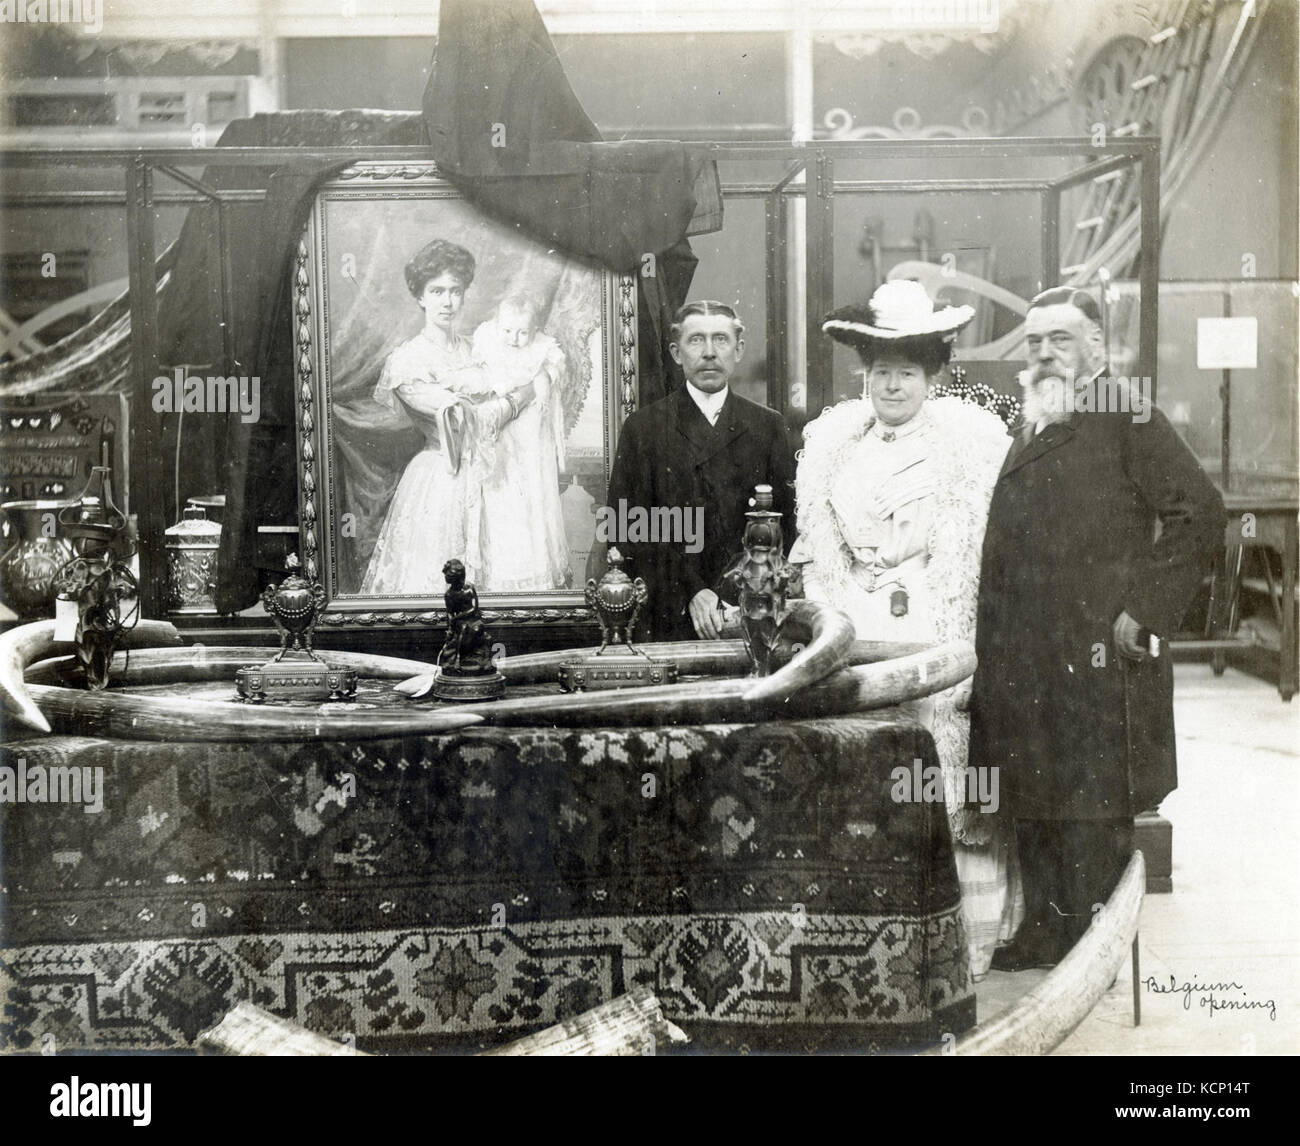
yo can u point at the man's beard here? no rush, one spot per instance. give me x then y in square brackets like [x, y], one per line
[1044, 389]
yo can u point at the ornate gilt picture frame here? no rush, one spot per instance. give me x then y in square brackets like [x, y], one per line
[488, 439]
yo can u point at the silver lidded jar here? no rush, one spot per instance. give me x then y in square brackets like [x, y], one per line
[192, 545]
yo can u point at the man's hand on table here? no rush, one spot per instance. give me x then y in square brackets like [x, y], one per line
[706, 615]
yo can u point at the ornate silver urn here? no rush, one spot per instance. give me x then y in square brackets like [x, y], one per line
[617, 601]
[295, 672]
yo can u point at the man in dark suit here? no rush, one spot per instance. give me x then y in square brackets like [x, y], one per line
[701, 449]
[1101, 526]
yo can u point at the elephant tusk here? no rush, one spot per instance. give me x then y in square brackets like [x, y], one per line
[693, 658]
[877, 684]
[22, 646]
[816, 682]
[929, 670]
[831, 646]
[203, 663]
[172, 719]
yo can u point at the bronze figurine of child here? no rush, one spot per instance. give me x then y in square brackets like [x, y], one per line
[465, 660]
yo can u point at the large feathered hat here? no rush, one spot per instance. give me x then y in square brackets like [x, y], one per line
[899, 309]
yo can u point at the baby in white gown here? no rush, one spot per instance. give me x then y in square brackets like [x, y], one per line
[521, 531]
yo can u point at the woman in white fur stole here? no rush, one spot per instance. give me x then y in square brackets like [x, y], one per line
[892, 498]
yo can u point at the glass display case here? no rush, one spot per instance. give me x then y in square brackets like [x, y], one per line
[795, 244]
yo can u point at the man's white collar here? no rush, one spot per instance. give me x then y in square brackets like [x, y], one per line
[710, 404]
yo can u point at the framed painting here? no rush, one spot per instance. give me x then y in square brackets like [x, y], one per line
[460, 391]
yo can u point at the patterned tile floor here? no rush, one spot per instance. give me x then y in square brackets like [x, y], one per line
[1234, 914]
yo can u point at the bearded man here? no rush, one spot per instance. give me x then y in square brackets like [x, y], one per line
[1101, 526]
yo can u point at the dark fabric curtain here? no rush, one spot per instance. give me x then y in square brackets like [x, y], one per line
[506, 127]
[508, 130]
[254, 464]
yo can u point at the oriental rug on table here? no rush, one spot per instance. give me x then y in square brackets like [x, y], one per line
[452, 892]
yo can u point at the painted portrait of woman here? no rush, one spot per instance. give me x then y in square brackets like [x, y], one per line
[469, 417]
[433, 379]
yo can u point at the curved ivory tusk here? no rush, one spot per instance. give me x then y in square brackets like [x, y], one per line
[858, 689]
[693, 658]
[1043, 1019]
[175, 719]
[894, 681]
[25, 644]
[831, 636]
[167, 718]
[891, 674]
[202, 663]
[721, 658]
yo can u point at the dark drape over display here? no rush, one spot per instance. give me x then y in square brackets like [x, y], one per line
[261, 467]
[508, 131]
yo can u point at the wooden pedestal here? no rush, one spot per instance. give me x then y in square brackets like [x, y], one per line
[1153, 836]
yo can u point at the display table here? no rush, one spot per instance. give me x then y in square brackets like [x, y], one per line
[447, 892]
[1262, 514]
[1275, 528]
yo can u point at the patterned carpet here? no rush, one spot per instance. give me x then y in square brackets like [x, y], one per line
[450, 893]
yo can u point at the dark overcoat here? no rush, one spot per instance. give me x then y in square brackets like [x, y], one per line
[1093, 517]
[669, 455]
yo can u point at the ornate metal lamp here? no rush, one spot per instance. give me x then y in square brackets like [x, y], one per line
[762, 578]
[97, 577]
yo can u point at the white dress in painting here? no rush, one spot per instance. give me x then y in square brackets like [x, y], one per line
[522, 525]
[433, 514]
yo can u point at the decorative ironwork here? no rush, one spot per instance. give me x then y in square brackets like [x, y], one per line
[1031, 97]
[907, 125]
[922, 44]
[203, 55]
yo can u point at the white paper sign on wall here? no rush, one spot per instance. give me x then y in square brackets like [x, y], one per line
[1227, 343]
